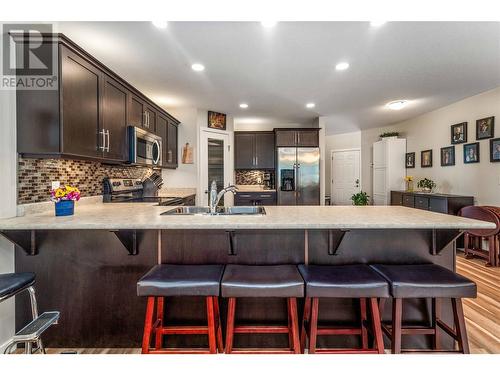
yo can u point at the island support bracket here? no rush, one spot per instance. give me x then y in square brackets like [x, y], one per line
[25, 239]
[335, 238]
[442, 238]
[129, 239]
[231, 234]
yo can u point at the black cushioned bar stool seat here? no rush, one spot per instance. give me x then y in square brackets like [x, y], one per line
[343, 281]
[181, 280]
[283, 281]
[262, 281]
[167, 280]
[13, 283]
[426, 281]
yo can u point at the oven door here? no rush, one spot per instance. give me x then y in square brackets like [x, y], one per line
[145, 147]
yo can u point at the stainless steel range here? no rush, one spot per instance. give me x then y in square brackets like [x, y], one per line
[135, 190]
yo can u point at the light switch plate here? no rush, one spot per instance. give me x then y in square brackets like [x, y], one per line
[55, 184]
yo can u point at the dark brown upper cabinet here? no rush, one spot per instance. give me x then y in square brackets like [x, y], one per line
[171, 160]
[87, 116]
[254, 150]
[81, 84]
[297, 137]
[114, 120]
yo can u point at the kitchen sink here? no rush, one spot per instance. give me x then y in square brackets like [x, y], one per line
[201, 210]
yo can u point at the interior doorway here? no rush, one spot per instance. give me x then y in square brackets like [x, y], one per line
[215, 164]
[346, 176]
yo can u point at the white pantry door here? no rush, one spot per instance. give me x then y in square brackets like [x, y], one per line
[345, 174]
[215, 157]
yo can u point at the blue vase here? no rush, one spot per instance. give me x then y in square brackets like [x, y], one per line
[65, 208]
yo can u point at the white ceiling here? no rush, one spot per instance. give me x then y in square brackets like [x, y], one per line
[278, 70]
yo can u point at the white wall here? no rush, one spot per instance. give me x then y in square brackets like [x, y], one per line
[8, 201]
[432, 131]
[338, 142]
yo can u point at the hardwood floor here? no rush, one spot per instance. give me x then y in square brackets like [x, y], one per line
[482, 314]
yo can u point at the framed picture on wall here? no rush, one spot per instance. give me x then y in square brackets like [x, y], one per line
[448, 156]
[410, 160]
[471, 153]
[459, 133]
[485, 128]
[495, 150]
[216, 120]
[426, 159]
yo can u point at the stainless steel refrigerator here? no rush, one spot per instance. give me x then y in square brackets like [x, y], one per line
[298, 176]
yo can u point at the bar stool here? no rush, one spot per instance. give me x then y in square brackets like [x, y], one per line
[167, 280]
[11, 284]
[426, 281]
[263, 281]
[343, 281]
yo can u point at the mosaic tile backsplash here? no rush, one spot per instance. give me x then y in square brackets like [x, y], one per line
[36, 175]
[249, 177]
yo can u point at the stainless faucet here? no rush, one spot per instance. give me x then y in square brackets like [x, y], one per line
[215, 198]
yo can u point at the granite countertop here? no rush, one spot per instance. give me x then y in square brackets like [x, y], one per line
[101, 216]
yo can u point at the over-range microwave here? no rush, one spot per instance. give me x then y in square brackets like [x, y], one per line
[144, 148]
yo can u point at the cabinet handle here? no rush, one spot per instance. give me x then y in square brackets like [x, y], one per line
[256, 160]
[244, 195]
[265, 196]
[107, 147]
[170, 156]
[103, 140]
[298, 138]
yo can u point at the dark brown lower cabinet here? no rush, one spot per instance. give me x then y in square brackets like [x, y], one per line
[255, 199]
[442, 203]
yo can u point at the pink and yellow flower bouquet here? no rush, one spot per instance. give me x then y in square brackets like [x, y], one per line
[64, 198]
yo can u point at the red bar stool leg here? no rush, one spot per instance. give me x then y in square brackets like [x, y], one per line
[458, 314]
[377, 325]
[364, 331]
[313, 325]
[292, 303]
[218, 325]
[148, 324]
[305, 320]
[211, 325]
[231, 308]
[159, 322]
[397, 316]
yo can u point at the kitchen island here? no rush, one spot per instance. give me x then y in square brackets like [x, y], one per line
[87, 265]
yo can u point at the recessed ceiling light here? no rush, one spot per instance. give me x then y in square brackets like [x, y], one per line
[396, 105]
[268, 23]
[342, 66]
[377, 23]
[243, 105]
[160, 24]
[310, 105]
[198, 67]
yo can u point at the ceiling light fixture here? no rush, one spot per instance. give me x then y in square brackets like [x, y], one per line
[396, 105]
[268, 23]
[310, 105]
[342, 66]
[244, 105]
[198, 67]
[160, 24]
[377, 23]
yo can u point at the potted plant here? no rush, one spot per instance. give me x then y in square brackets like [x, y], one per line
[64, 199]
[426, 185]
[389, 135]
[360, 199]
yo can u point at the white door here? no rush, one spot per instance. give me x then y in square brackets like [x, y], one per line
[215, 159]
[345, 174]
